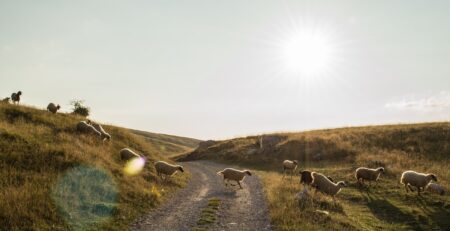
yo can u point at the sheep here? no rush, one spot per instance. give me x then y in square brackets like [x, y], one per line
[306, 178]
[324, 185]
[84, 127]
[5, 100]
[127, 154]
[15, 97]
[369, 174]
[233, 174]
[53, 108]
[289, 165]
[436, 188]
[165, 169]
[416, 179]
[105, 135]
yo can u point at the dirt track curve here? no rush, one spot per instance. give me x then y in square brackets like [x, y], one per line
[240, 209]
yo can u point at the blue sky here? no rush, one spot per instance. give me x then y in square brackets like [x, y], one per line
[215, 69]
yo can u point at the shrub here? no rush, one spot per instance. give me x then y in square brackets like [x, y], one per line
[79, 108]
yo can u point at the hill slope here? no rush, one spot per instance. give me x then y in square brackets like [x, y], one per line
[337, 153]
[52, 178]
[169, 144]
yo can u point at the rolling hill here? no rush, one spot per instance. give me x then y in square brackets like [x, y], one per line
[168, 144]
[337, 153]
[53, 178]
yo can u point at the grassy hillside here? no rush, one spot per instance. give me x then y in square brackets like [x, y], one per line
[52, 178]
[338, 152]
[168, 144]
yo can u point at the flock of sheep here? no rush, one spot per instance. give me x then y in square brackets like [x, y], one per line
[88, 127]
[320, 182]
[326, 185]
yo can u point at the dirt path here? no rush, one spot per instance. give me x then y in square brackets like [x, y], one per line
[244, 209]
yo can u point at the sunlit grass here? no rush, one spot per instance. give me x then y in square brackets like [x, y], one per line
[37, 149]
[337, 153]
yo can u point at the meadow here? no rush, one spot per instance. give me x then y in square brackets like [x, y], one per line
[337, 153]
[53, 178]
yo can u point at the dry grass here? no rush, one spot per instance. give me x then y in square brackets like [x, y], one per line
[337, 153]
[52, 178]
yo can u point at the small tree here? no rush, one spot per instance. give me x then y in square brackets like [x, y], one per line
[79, 108]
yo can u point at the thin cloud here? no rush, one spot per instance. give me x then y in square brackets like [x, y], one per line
[438, 102]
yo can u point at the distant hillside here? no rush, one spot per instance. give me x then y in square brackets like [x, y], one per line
[337, 153]
[428, 140]
[53, 178]
[168, 144]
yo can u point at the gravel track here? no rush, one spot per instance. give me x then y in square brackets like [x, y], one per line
[240, 209]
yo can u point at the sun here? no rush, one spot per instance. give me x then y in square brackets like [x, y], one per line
[307, 53]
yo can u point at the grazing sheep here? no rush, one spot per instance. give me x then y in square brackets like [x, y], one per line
[233, 174]
[416, 179]
[15, 97]
[127, 154]
[289, 165]
[105, 135]
[324, 185]
[53, 108]
[5, 100]
[436, 188]
[165, 169]
[84, 127]
[306, 178]
[369, 174]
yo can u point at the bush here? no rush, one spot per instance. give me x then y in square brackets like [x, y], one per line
[79, 108]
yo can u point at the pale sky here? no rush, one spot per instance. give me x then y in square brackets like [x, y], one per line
[215, 69]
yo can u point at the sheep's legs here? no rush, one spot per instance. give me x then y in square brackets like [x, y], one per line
[239, 183]
[418, 191]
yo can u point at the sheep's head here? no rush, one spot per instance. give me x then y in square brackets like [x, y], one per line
[181, 168]
[248, 172]
[58, 107]
[106, 136]
[342, 184]
[433, 177]
[380, 169]
[295, 162]
[19, 93]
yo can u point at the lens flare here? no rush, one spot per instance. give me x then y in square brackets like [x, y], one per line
[85, 197]
[134, 166]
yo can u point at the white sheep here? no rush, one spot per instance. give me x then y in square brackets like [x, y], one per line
[127, 154]
[436, 188]
[233, 174]
[105, 135]
[15, 97]
[416, 179]
[165, 169]
[53, 108]
[289, 165]
[84, 127]
[369, 174]
[324, 185]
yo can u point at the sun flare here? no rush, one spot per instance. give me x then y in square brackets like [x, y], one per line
[308, 50]
[307, 53]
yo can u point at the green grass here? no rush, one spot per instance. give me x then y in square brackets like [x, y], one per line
[52, 178]
[208, 215]
[421, 147]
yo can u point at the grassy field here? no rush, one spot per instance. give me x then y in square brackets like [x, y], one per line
[168, 144]
[337, 153]
[52, 178]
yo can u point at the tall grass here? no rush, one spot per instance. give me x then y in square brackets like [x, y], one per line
[337, 153]
[43, 188]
